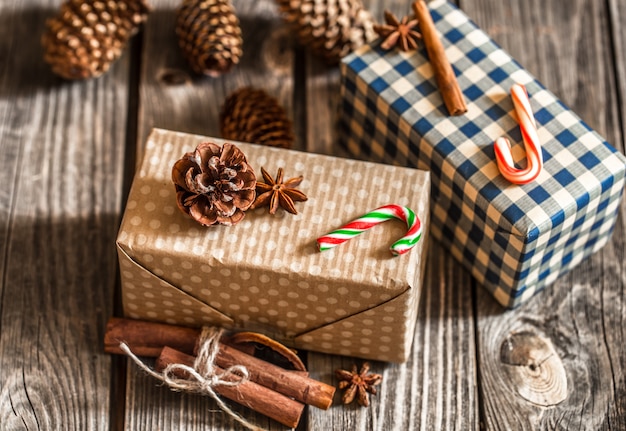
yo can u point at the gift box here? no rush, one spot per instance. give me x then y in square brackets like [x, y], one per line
[265, 273]
[514, 239]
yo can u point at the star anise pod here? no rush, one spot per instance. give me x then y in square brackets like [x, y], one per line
[276, 192]
[358, 384]
[398, 33]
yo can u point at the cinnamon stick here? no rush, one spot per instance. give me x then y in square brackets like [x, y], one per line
[292, 384]
[145, 338]
[148, 338]
[444, 75]
[254, 396]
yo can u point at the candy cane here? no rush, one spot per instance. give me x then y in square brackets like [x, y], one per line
[379, 215]
[532, 145]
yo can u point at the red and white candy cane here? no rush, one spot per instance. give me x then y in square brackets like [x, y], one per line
[532, 145]
[379, 215]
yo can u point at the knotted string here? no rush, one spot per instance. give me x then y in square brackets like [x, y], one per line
[202, 376]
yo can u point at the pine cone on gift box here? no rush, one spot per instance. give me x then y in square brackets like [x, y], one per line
[330, 28]
[214, 184]
[252, 115]
[209, 35]
[86, 37]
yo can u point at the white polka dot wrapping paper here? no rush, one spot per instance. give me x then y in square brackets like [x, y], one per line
[265, 273]
[515, 240]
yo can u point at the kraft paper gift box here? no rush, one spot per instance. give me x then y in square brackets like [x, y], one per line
[265, 273]
[514, 239]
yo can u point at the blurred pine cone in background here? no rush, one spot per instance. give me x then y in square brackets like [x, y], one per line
[86, 37]
[252, 115]
[209, 35]
[330, 28]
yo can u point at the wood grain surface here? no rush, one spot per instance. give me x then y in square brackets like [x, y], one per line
[67, 156]
[61, 156]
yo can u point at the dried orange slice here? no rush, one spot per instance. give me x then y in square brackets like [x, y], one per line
[279, 353]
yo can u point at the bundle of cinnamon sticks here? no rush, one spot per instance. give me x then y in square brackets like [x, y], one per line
[271, 390]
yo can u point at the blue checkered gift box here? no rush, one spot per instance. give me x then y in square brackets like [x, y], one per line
[514, 239]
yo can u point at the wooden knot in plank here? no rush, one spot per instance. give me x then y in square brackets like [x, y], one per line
[171, 77]
[277, 51]
[535, 369]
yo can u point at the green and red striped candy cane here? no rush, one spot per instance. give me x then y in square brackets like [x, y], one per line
[379, 215]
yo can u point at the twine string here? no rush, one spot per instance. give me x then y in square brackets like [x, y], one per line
[202, 376]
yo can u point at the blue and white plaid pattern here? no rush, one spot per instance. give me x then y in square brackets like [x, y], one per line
[514, 239]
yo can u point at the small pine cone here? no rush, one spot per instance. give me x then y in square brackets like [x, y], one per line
[86, 37]
[214, 184]
[330, 28]
[209, 35]
[251, 115]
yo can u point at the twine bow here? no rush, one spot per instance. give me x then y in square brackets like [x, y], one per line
[202, 376]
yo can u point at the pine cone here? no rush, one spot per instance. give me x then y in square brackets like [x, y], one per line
[86, 37]
[252, 115]
[214, 184]
[330, 28]
[209, 35]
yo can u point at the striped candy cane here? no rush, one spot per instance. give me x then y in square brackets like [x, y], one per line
[532, 145]
[379, 215]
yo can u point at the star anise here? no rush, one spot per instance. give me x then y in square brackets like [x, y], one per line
[275, 192]
[358, 383]
[398, 33]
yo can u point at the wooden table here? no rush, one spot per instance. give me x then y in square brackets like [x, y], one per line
[67, 155]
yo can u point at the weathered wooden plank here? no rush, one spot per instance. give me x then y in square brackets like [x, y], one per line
[61, 152]
[172, 97]
[617, 54]
[567, 341]
[613, 257]
[436, 388]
